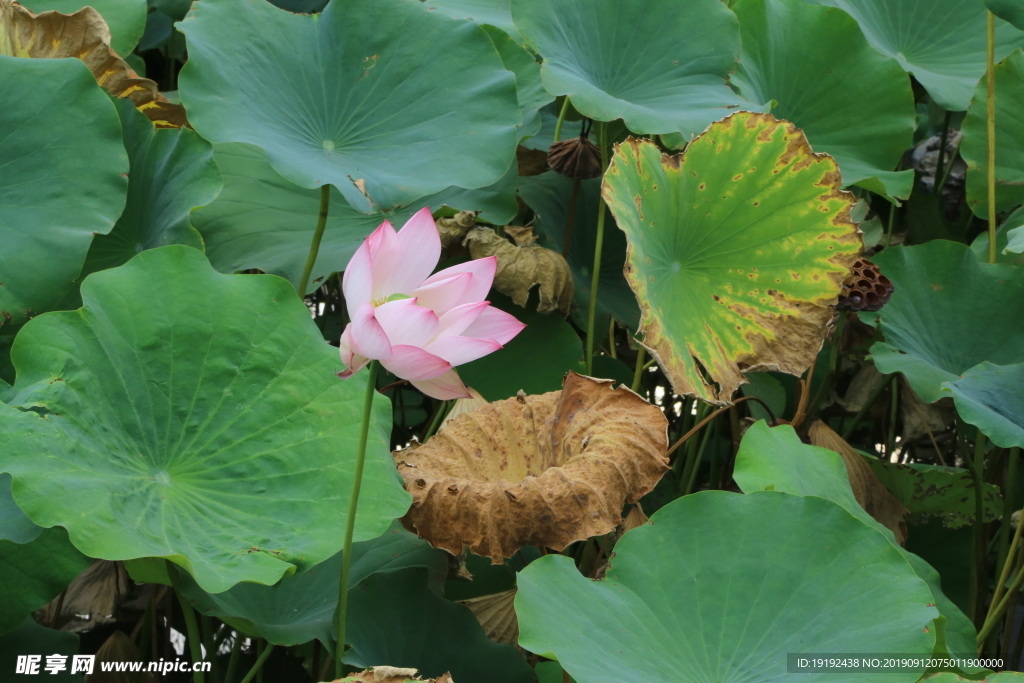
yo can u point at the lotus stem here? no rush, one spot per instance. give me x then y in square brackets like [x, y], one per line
[638, 372]
[1008, 562]
[974, 596]
[1009, 507]
[258, 666]
[561, 119]
[990, 116]
[233, 659]
[318, 235]
[191, 626]
[595, 276]
[350, 520]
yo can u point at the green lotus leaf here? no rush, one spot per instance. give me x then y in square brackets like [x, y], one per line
[126, 19]
[550, 196]
[532, 95]
[944, 297]
[660, 65]
[383, 93]
[850, 101]
[35, 573]
[32, 639]
[947, 492]
[485, 12]
[15, 526]
[397, 618]
[260, 220]
[302, 607]
[1009, 137]
[941, 42]
[768, 389]
[172, 172]
[1009, 241]
[1008, 10]
[63, 179]
[775, 458]
[950, 677]
[722, 586]
[193, 416]
[518, 365]
[737, 248]
[990, 398]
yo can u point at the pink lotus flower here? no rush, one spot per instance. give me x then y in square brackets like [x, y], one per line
[418, 325]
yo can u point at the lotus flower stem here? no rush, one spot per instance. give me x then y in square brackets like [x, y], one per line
[638, 371]
[561, 119]
[191, 626]
[318, 235]
[350, 519]
[602, 136]
[258, 666]
[990, 120]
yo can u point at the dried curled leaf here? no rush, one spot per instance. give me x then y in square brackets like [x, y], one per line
[465, 405]
[497, 616]
[83, 35]
[520, 268]
[391, 674]
[542, 470]
[454, 228]
[867, 487]
[521, 234]
[634, 518]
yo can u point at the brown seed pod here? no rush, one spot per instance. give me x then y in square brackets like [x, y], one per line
[575, 158]
[866, 289]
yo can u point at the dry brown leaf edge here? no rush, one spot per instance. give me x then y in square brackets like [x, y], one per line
[543, 470]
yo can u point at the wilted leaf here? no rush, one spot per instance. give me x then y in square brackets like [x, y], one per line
[119, 648]
[93, 596]
[497, 616]
[538, 470]
[390, 674]
[465, 405]
[521, 268]
[737, 249]
[83, 35]
[947, 492]
[869, 491]
[634, 518]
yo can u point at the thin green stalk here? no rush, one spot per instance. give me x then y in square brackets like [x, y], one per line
[682, 464]
[350, 520]
[191, 626]
[259, 663]
[994, 615]
[697, 461]
[940, 162]
[206, 626]
[974, 597]
[611, 337]
[892, 222]
[234, 658]
[595, 276]
[990, 119]
[561, 119]
[638, 371]
[435, 424]
[318, 235]
[1009, 507]
[890, 442]
[1007, 565]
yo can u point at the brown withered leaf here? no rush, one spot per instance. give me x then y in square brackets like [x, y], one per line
[93, 597]
[521, 234]
[542, 470]
[531, 161]
[634, 518]
[868, 489]
[521, 268]
[497, 616]
[390, 674]
[83, 35]
[465, 405]
[119, 648]
[454, 228]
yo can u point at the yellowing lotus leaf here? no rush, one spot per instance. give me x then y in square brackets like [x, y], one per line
[391, 674]
[737, 249]
[83, 35]
[541, 470]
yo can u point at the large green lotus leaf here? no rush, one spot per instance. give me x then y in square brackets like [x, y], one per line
[34, 573]
[172, 172]
[63, 178]
[302, 607]
[851, 102]
[991, 397]
[1008, 10]
[15, 526]
[950, 677]
[737, 248]
[532, 95]
[941, 42]
[396, 618]
[775, 458]
[486, 12]
[550, 196]
[260, 220]
[659, 65]
[1009, 241]
[535, 361]
[721, 586]
[32, 639]
[194, 416]
[126, 19]
[946, 492]
[949, 312]
[383, 93]
[1009, 140]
